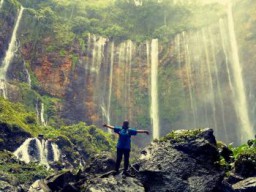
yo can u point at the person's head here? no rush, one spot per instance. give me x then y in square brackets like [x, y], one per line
[126, 124]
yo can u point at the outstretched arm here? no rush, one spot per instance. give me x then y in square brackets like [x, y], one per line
[143, 131]
[108, 126]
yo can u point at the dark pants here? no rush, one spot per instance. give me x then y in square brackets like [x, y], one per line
[119, 155]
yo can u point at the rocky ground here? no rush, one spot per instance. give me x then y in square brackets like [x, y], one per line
[183, 161]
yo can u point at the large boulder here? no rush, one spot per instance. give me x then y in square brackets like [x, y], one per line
[100, 163]
[182, 161]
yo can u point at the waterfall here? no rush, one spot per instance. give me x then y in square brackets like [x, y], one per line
[1, 3]
[42, 150]
[3, 89]
[97, 53]
[154, 88]
[37, 110]
[220, 98]
[110, 82]
[189, 76]
[28, 75]
[211, 86]
[11, 48]
[9, 54]
[128, 68]
[42, 115]
[241, 100]
[56, 152]
[22, 152]
[34, 149]
[224, 48]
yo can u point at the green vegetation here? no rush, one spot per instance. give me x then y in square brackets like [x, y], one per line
[16, 172]
[15, 116]
[66, 20]
[181, 135]
[89, 138]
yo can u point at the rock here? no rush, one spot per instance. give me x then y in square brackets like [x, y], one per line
[118, 184]
[6, 187]
[12, 137]
[182, 163]
[101, 163]
[58, 182]
[247, 185]
[245, 165]
[39, 186]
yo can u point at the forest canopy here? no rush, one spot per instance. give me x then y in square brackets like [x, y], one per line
[120, 19]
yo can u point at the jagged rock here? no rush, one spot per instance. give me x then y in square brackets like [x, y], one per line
[247, 185]
[101, 163]
[59, 182]
[184, 162]
[118, 184]
[12, 137]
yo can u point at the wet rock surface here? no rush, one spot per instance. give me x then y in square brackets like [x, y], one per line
[182, 164]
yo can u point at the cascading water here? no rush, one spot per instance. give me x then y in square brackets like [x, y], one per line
[42, 151]
[110, 82]
[10, 51]
[56, 152]
[189, 78]
[216, 72]
[123, 81]
[224, 43]
[211, 86]
[22, 152]
[3, 89]
[241, 100]
[43, 122]
[38, 150]
[154, 88]
[28, 76]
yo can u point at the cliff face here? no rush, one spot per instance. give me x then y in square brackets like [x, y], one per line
[97, 79]
[53, 79]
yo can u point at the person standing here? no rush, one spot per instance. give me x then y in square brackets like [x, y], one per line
[124, 143]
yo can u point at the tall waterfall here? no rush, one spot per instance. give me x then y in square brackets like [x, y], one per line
[196, 79]
[154, 88]
[241, 100]
[11, 48]
[110, 82]
[38, 150]
[9, 53]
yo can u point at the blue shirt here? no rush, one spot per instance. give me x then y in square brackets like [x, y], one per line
[124, 141]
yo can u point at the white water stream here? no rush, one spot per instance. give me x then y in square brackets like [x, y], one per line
[154, 88]
[241, 100]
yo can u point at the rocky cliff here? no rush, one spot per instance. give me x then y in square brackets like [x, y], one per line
[185, 160]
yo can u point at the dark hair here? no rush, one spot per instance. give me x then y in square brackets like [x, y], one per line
[125, 124]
